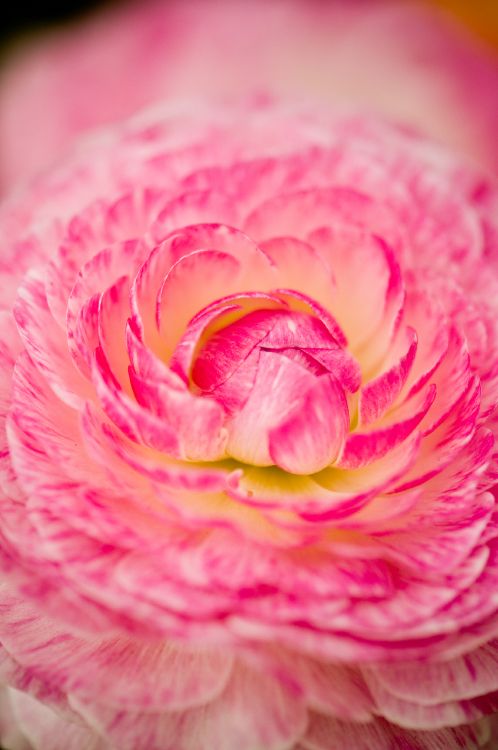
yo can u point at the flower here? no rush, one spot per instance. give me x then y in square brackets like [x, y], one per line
[249, 387]
[401, 60]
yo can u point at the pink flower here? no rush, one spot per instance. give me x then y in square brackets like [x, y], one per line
[249, 384]
[398, 59]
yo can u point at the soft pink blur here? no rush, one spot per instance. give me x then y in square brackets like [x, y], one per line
[404, 60]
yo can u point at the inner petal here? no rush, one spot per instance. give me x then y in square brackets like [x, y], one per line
[280, 375]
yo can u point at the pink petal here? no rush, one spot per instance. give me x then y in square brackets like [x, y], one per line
[325, 733]
[428, 683]
[199, 207]
[379, 394]
[46, 343]
[253, 711]
[251, 437]
[367, 278]
[362, 447]
[312, 435]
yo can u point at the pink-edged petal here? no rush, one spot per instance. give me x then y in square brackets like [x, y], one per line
[434, 716]
[332, 689]
[195, 207]
[227, 349]
[379, 394]
[367, 278]
[98, 273]
[45, 728]
[216, 316]
[291, 256]
[110, 447]
[136, 422]
[445, 443]
[113, 313]
[299, 213]
[220, 261]
[46, 343]
[428, 683]
[363, 447]
[452, 379]
[279, 394]
[303, 303]
[425, 315]
[325, 733]
[131, 674]
[254, 711]
[197, 423]
[312, 435]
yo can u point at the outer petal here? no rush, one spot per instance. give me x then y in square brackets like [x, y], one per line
[253, 711]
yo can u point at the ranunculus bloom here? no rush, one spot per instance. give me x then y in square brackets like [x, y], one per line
[249, 379]
[395, 58]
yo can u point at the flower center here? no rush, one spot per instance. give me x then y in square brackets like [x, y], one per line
[281, 376]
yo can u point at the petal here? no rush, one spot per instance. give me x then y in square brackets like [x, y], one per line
[253, 711]
[325, 733]
[367, 281]
[430, 683]
[291, 256]
[379, 394]
[47, 729]
[197, 423]
[362, 447]
[311, 436]
[46, 343]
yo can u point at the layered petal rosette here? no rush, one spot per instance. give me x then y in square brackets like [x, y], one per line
[249, 379]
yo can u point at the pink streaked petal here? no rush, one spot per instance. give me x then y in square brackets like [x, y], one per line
[113, 312]
[436, 543]
[332, 689]
[227, 348]
[425, 315]
[84, 236]
[213, 318]
[220, 260]
[135, 422]
[325, 733]
[46, 343]
[299, 213]
[379, 513]
[363, 447]
[452, 379]
[434, 716]
[98, 226]
[428, 683]
[10, 348]
[43, 437]
[197, 423]
[379, 394]
[132, 675]
[367, 277]
[290, 256]
[441, 446]
[311, 436]
[278, 391]
[196, 207]
[253, 711]
[45, 728]
[98, 274]
[302, 303]
[413, 609]
[109, 445]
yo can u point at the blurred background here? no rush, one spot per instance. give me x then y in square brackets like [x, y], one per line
[481, 16]
[69, 67]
